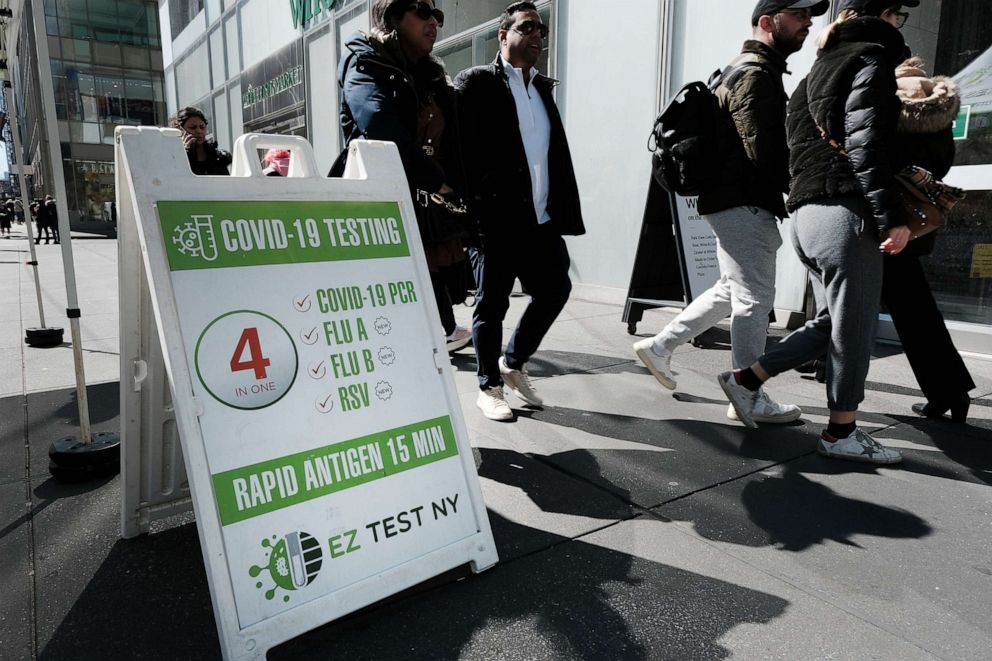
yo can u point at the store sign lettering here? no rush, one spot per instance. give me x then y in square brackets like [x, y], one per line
[85, 167]
[284, 81]
[306, 10]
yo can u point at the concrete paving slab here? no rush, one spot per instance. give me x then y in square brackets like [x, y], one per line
[849, 535]
[614, 435]
[11, 372]
[11, 336]
[151, 592]
[12, 453]
[533, 505]
[17, 604]
[51, 369]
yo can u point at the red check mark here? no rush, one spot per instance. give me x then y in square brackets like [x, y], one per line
[318, 371]
[325, 405]
[302, 304]
[310, 337]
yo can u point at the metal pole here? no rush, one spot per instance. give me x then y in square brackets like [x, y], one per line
[58, 180]
[15, 131]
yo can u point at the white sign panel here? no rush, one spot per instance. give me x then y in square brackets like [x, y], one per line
[326, 447]
[698, 247]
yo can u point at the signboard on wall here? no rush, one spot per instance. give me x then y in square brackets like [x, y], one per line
[328, 459]
[698, 247]
[274, 85]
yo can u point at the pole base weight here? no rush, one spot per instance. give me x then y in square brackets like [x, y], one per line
[43, 337]
[72, 461]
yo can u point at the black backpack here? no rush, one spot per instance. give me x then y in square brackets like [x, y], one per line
[685, 141]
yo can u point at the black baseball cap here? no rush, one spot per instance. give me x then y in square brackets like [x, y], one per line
[873, 7]
[772, 7]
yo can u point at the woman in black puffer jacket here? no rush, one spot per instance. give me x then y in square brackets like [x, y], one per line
[929, 107]
[841, 126]
[393, 89]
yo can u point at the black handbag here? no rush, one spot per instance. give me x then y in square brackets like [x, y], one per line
[441, 217]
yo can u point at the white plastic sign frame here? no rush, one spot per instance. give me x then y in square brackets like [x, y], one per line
[238, 443]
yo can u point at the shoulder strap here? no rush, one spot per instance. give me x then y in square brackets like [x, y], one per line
[730, 75]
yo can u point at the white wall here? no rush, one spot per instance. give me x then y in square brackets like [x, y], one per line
[266, 26]
[323, 100]
[608, 67]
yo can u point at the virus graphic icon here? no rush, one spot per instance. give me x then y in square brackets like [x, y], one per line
[196, 238]
[293, 563]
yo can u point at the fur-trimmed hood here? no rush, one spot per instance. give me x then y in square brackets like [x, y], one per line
[928, 104]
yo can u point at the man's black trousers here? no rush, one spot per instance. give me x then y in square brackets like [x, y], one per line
[540, 260]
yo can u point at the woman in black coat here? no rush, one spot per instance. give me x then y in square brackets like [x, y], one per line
[929, 106]
[204, 155]
[394, 90]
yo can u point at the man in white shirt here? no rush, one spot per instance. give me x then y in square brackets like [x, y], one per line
[524, 198]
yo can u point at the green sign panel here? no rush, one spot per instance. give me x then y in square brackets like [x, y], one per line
[960, 126]
[304, 11]
[250, 491]
[210, 235]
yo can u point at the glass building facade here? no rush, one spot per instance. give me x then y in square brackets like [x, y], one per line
[105, 61]
[613, 81]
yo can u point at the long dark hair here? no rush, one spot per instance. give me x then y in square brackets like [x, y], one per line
[385, 11]
[186, 114]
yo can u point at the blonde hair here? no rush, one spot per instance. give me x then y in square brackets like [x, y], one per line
[824, 38]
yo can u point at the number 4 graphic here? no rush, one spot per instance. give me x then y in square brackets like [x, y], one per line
[257, 362]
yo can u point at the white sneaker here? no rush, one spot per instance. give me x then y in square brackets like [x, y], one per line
[493, 404]
[459, 338]
[659, 366]
[767, 409]
[519, 383]
[859, 446]
[740, 398]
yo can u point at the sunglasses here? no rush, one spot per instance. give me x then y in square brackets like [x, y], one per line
[425, 12]
[527, 28]
[901, 16]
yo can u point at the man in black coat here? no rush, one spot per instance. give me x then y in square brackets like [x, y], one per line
[524, 197]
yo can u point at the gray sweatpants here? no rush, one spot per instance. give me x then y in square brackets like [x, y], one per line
[747, 241]
[838, 243]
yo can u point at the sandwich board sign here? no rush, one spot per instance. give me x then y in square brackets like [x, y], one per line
[327, 456]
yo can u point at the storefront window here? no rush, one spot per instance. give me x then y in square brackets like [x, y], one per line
[955, 39]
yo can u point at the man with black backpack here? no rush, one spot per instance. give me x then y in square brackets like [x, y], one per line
[742, 196]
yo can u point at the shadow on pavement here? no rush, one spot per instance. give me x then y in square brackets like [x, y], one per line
[47, 493]
[148, 600]
[575, 601]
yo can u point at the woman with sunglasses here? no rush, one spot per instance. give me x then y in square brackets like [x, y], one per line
[841, 126]
[394, 90]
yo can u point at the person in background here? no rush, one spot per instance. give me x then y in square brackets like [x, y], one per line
[205, 157]
[19, 210]
[394, 90]
[5, 216]
[841, 127]
[40, 213]
[276, 163]
[925, 139]
[52, 217]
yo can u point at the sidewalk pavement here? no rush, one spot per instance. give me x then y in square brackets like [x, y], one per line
[632, 523]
